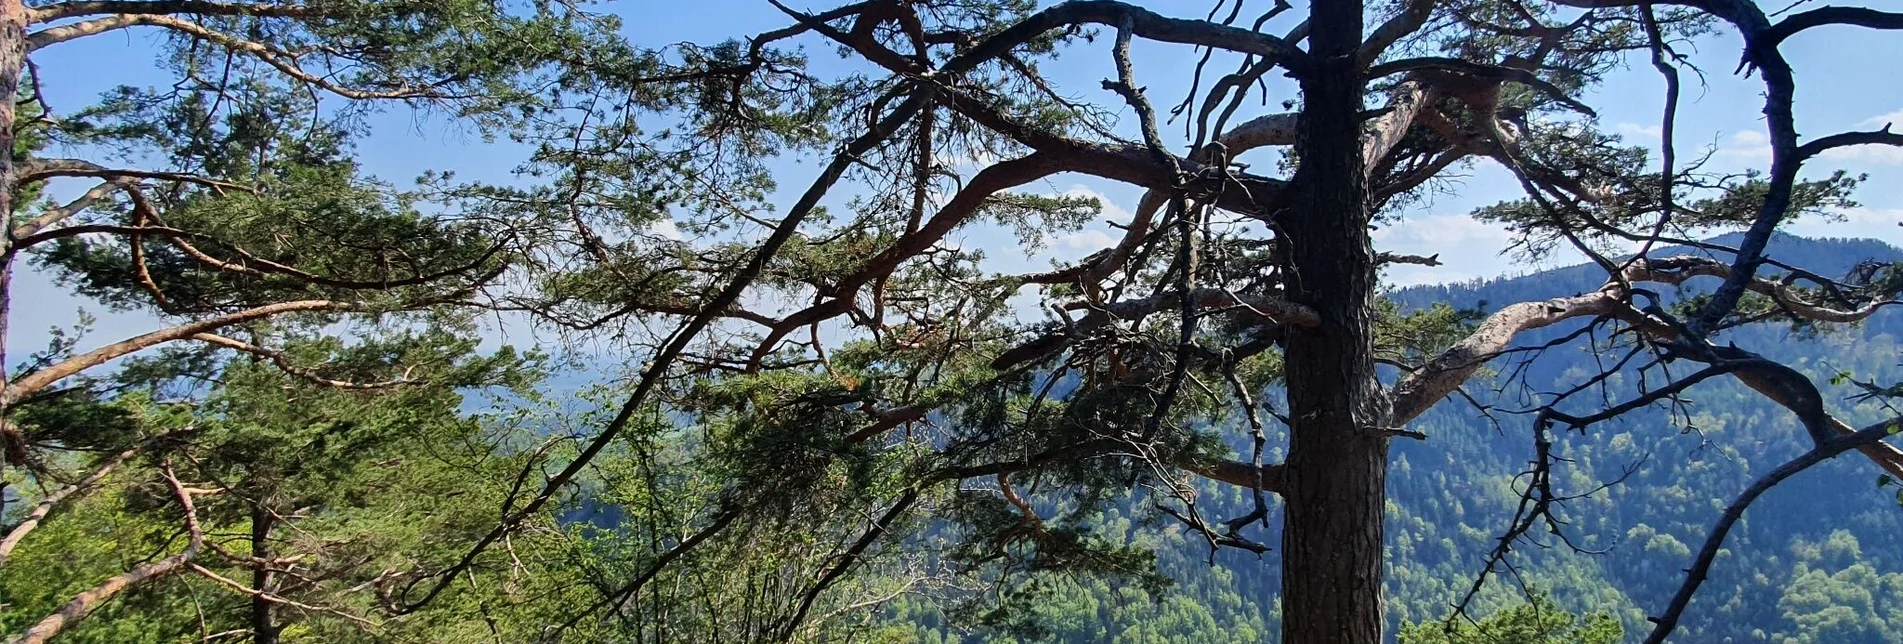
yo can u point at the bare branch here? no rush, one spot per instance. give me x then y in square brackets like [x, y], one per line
[42, 169]
[1144, 24]
[1395, 258]
[1420, 390]
[845, 560]
[1821, 16]
[1676, 270]
[1261, 131]
[275, 599]
[283, 61]
[61, 213]
[1483, 72]
[1847, 139]
[1403, 24]
[1243, 475]
[1407, 102]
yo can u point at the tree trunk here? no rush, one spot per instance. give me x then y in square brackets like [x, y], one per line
[12, 61]
[1337, 463]
[262, 630]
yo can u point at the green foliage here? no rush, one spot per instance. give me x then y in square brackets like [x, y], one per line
[1536, 622]
[907, 483]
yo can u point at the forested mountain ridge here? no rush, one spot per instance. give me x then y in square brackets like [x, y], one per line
[1818, 560]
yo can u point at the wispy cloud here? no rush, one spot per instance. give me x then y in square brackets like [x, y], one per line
[1084, 242]
[1111, 210]
[1096, 235]
[1748, 146]
[1872, 223]
[1636, 130]
[1468, 248]
[665, 228]
[1880, 120]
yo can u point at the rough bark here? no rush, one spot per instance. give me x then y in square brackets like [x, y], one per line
[263, 630]
[13, 19]
[1336, 474]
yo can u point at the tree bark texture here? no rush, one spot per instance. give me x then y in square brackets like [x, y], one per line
[1337, 464]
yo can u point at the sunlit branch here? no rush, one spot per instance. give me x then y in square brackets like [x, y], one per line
[281, 60]
[30, 383]
[34, 517]
[82, 605]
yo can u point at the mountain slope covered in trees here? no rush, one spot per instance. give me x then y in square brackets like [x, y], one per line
[1815, 561]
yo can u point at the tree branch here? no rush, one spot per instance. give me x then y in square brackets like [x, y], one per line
[43, 169]
[1676, 270]
[284, 364]
[85, 602]
[1714, 541]
[1143, 23]
[664, 359]
[38, 514]
[61, 213]
[33, 382]
[77, 8]
[1421, 390]
[1480, 71]
[1403, 24]
[1242, 474]
[1821, 16]
[283, 61]
[1847, 139]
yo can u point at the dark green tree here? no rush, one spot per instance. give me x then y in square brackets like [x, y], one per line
[221, 197]
[273, 505]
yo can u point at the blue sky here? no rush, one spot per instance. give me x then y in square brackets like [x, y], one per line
[1846, 81]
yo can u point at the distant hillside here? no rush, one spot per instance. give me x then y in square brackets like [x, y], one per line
[1829, 257]
[1819, 560]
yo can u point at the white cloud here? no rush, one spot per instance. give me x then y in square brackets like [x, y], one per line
[1880, 120]
[1111, 210]
[1085, 242]
[1872, 223]
[1636, 130]
[665, 228]
[1468, 248]
[1094, 237]
[1436, 231]
[1749, 146]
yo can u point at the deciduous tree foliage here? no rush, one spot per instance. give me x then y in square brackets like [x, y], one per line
[815, 379]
